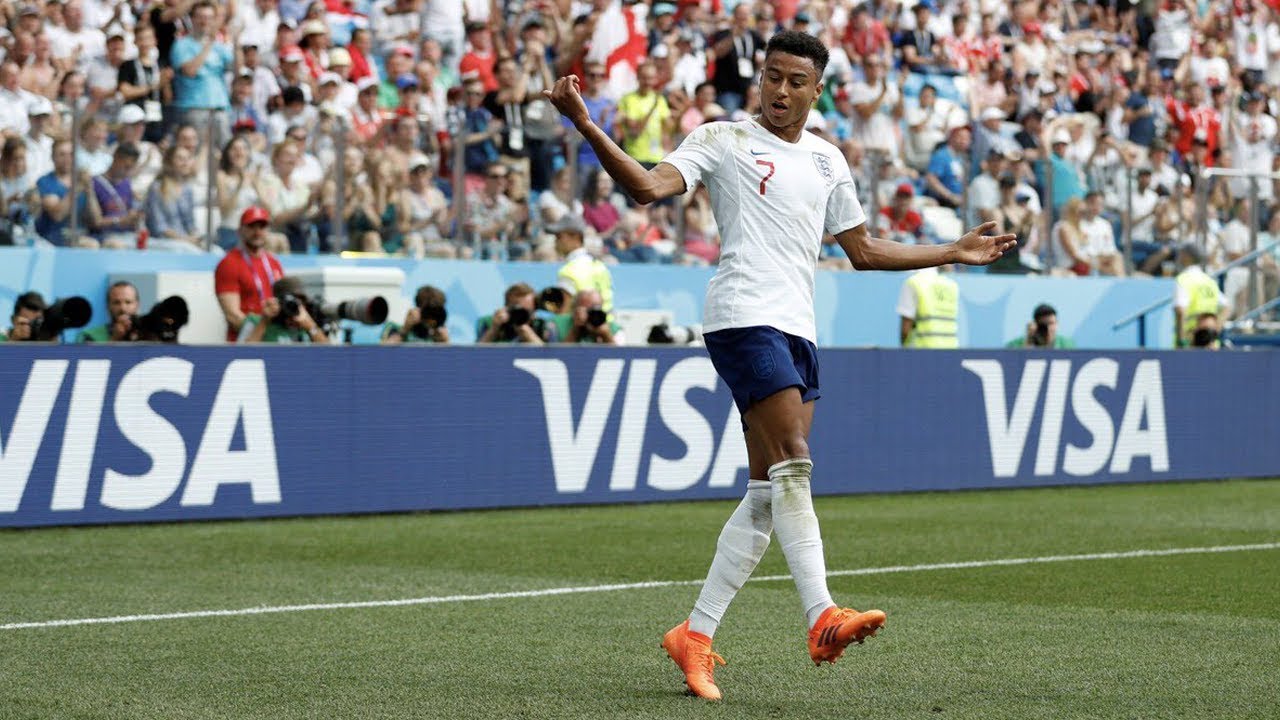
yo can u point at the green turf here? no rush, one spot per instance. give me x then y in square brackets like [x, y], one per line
[1187, 636]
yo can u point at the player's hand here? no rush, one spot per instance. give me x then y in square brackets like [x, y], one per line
[568, 100]
[977, 248]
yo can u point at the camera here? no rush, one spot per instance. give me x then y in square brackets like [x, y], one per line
[162, 324]
[596, 317]
[433, 316]
[553, 300]
[370, 310]
[1040, 337]
[664, 334]
[518, 316]
[1204, 337]
[65, 314]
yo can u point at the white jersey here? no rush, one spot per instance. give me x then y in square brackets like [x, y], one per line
[772, 201]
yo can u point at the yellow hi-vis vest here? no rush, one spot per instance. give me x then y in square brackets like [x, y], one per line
[584, 272]
[1203, 293]
[937, 302]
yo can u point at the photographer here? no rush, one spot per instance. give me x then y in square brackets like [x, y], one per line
[515, 321]
[590, 324]
[424, 323]
[1042, 331]
[286, 317]
[122, 307]
[29, 306]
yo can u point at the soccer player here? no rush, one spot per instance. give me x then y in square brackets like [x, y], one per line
[774, 190]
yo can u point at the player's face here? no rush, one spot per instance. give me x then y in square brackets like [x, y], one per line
[789, 85]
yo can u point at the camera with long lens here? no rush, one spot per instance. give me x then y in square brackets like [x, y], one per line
[65, 314]
[162, 323]
[1040, 338]
[370, 310]
[432, 316]
[664, 334]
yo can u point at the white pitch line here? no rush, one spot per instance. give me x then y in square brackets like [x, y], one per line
[582, 589]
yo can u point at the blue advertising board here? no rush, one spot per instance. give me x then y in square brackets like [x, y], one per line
[127, 434]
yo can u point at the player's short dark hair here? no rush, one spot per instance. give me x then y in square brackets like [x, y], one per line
[802, 45]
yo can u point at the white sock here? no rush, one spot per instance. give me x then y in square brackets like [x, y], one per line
[797, 527]
[742, 543]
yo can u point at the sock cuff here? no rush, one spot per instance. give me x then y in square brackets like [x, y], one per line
[757, 485]
[792, 468]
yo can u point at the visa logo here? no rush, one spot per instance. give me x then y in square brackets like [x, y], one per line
[575, 446]
[242, 398]
[1140, 432]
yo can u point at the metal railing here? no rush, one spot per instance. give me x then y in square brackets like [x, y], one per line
[1216, 275]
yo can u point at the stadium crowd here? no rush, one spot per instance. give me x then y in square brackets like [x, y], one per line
[418, 127]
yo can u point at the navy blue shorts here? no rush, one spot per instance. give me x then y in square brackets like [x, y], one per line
[756, 362]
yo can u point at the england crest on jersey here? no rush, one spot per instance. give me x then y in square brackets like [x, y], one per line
[824, 167]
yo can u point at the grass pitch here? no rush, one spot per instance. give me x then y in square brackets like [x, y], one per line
[1179, 636]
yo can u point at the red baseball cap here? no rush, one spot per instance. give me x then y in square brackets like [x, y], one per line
[253, 214]
[906, 190]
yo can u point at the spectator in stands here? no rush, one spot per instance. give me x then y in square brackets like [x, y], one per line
[515, 321]
[366, 119]
[114, 214]
[921, 50]
[928, 126]
[93, 153]
[18, 195]
[600, 204]
[122, 308]
[589, 323]
[131, 128]
[290, 202]
[284, 318]
[947, 175]
[200, 62]
[55, 198]
[877, 106]
[426, 213]
[102, 78]
[560, 200]
[481, 130]
[170, 203]
[984, 191]
[1099, 240]
[602, 111]
[238, 189]
[1067, 184]
[1015, 216]
[28, 307]
[1069, 249]
[243, 279]
[144, 84]
[492, 217]
[738, 51]
[898, 220]
[1042, 331]
[645, 119]
[13, 99]
[39, 142]
[480, 61]
[423, 323]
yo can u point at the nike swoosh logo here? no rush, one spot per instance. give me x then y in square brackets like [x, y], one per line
[762, 152]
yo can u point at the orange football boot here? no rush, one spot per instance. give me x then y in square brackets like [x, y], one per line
[691, 651]
[837, 627]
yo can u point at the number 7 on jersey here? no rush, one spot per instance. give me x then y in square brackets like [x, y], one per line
[765, 179]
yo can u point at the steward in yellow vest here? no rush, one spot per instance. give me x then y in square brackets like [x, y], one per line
[1196, 296]
[580, 271]
[929, 305]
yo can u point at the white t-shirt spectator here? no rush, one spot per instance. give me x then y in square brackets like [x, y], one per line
[91, 43]
[1253, 43]
[1252, 151]
[1210, 72]
[13, 110]
[1099, 238]
[1143, 204]
[878, 131]
[1172, 38]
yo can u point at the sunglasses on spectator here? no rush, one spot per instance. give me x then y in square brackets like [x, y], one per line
[498, 176]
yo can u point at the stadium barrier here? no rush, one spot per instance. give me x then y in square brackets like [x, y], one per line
[853, 309]
[104, 435]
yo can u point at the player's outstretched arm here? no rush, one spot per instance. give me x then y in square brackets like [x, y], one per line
[973, 248]
[644, 186]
